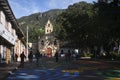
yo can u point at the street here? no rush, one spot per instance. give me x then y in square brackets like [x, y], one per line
[70, 70]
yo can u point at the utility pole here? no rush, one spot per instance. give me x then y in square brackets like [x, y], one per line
[27, 43]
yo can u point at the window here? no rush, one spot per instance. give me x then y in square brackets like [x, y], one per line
[6, 25]
[42, 42]
[48, 25]
[0, 17]
[13, 32]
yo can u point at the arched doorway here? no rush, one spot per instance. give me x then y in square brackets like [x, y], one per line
[49, 52]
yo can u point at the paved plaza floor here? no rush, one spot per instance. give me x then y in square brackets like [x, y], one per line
[67, 70]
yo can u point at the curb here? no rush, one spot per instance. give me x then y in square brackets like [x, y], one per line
[10, 72]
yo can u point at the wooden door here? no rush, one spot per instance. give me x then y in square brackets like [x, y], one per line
[49, 52]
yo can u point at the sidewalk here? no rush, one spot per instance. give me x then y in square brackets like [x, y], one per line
[7, 69]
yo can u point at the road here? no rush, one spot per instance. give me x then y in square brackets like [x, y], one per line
[70, 70]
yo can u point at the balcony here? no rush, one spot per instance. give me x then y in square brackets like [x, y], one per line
[7, 35]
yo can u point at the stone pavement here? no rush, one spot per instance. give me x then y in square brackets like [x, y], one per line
[7, 69]
[71, 70]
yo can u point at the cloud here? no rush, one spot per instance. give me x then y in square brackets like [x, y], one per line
[63, 3]
[33, 6]
[26, 7]
[18, 9]
[58, 4]
[23, 7]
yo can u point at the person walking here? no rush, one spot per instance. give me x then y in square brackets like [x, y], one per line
[66, 57]
[0, 57]
[22, 56]
[37, 55]
[30, 56]
[69, 55]
[56, 56]
[16, 57]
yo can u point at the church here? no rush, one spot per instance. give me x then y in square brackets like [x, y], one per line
[48, 44]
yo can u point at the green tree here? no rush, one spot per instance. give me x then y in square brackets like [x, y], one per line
[35, 33]
[74, 23]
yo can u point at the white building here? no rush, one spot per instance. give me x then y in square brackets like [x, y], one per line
[11, 36]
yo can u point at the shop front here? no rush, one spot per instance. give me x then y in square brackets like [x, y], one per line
[6, 51]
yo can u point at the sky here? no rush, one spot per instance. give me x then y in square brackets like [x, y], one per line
[22, 8]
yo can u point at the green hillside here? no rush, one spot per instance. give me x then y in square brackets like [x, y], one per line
[37, 21]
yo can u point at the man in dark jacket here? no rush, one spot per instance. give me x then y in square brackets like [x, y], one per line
[22, 56]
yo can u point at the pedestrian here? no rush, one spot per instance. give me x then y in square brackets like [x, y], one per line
[74, 56]
[69, 55]
[62, 54]
[30, 56]
[22, 56]
[56, 56]
[16, 57]
[66, 57]
[0, 57]
[37, 55]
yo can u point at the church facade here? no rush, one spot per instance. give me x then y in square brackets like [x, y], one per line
[48, 44]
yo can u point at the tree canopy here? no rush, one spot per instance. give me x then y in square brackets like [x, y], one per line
[87, 25]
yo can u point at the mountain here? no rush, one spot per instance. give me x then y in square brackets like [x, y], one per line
[38, 20]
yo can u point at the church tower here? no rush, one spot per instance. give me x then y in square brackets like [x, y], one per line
[48, 27]
[48, 44]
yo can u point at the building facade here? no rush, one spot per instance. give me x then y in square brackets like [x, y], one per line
[48, 44]
[11, 36]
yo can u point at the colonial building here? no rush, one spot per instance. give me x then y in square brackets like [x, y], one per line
[48, 44]
[11, 37]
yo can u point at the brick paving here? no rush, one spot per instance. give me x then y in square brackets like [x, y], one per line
[71, 70]
[7, 69]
